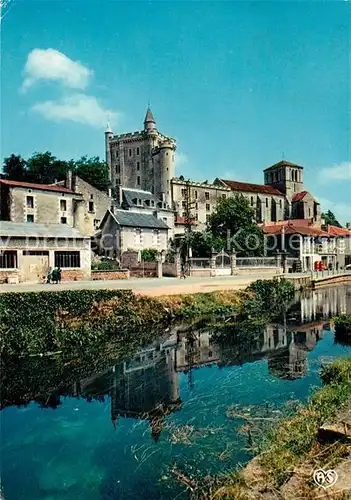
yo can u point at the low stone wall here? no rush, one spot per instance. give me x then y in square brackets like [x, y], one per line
[73, 275]
[143, 270]
[257, 270]
[6, 274]
[201, 272]
[121, 274]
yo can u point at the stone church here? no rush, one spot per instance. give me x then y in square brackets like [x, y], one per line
[145, 160]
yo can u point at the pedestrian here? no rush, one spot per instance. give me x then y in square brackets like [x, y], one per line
[48, 275]
[54, 275]
[59, 275]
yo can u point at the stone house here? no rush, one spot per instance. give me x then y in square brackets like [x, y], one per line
[124, 230]
[28, 250]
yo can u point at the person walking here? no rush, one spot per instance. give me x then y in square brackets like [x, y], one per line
[59, 275]
[48, 275]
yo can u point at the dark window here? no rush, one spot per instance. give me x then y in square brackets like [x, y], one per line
[63, 205]
[97, 223]
[208, 208]
[36, 252]
[195, 194]
[138, 151]
[130, 152]
[8, 259]
[138, 181]
[117, 154]
[138, 165]
[183, 192]
[118, 169]
[266, 202]
[207, 195]
[30, 218]
[207, 217]
[91, 196]
[252, 201]
[91, 206]
[63, 220]
[30, 202]
[67, 259]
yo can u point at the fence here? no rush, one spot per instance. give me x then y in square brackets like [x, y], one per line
[199, 263]
[256, 262]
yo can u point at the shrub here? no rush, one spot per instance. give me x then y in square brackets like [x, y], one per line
[149, 254]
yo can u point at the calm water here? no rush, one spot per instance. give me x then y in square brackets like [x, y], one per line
[114, 433]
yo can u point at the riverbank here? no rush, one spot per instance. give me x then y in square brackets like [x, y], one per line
[34, 323]
[318, 436]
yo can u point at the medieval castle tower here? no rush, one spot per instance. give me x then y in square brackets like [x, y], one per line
[142, 160]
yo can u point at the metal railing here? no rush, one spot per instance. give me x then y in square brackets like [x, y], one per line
[199, 263]
[256, 262]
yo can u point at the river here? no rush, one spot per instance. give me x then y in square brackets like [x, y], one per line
[114, 431]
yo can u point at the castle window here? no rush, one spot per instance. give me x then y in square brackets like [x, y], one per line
[208, 207]
[63, 220]
[91, 206]
[130, 152]
[118, 181]
[116, 154]
[118, 169]
[183, 204]
[207, 195]
[138, 180]
[252, 201]
[30, 202]
[63, 205]
[280, 203]
[138, 165]
[30, 218]
[196, 216]
[183, 192]
[196, 206]
[138, 151]
[195, 195]
[266, 202]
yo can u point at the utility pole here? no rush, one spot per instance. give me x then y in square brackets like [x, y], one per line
[189, 205]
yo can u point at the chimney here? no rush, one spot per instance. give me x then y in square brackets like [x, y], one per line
[79, 216]
[69, 180]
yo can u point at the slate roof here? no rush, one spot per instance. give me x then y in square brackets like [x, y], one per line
[131, 194]
[133, 219]
[43, 187]
[149, 118]
[251, 188]
[30, 229]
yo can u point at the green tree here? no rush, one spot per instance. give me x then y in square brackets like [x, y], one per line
[330, 219]
[94, 171]
[45, 168]
[233, 220]
[15, 168]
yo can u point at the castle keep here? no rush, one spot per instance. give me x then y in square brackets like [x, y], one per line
[145, 160]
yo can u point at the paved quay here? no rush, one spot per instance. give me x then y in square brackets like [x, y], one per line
[147, 286]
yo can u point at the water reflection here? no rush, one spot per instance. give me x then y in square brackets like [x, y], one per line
[146, 386]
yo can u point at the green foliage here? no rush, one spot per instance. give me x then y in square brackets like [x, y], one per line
[94, 171]
[295, 436]
[44, 168]
[342, 324]
[15, 168]
[330, 219]
[105, 265]
[268, 297]
[233, 220]
[149, 254]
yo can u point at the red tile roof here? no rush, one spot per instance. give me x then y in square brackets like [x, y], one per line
[182, 220]
[30, 185]
[292, 228]
[251, 188]
[338, 231]
[299, 196]
[283, 163]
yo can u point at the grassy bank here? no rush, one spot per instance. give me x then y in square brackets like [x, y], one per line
[32, 323]
[342, 324]
[293, 450]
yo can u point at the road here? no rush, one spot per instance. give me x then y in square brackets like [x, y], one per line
[147, 286]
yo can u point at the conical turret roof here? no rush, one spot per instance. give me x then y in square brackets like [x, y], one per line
[149, 117]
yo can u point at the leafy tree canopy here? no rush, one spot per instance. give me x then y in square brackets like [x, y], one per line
[233, 220]
[44, 168]
[330, 219]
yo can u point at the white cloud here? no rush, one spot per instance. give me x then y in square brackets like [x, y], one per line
[79, 108]
[180, 159]
[340, 172]
[50, 64]
[341, 210]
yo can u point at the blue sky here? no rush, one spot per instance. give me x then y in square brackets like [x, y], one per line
[238, 84]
